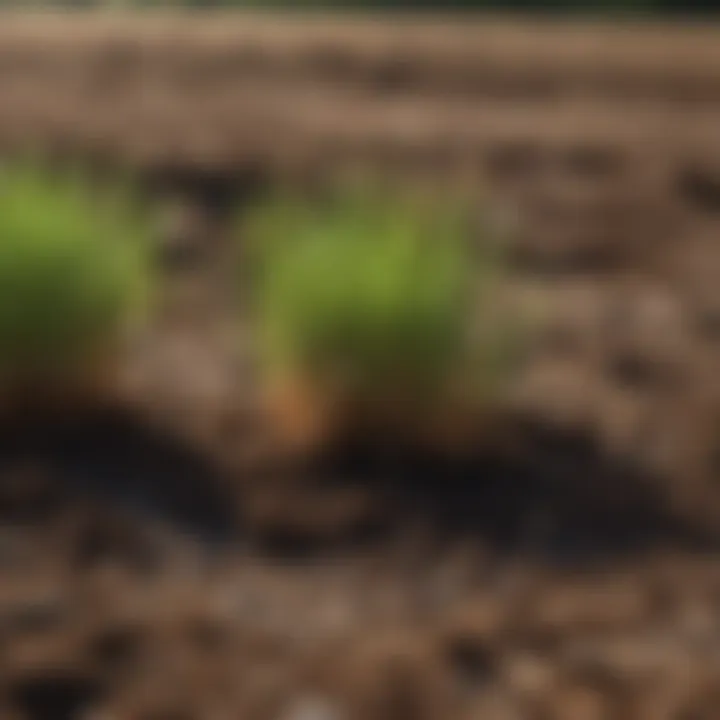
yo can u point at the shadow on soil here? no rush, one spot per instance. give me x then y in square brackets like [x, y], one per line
[555, 498]
[115, 463]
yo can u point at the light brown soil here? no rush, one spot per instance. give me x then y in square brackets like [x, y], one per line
[167, 563]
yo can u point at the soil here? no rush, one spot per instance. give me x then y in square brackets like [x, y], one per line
[164, 560]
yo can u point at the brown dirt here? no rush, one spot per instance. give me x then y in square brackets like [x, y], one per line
[166, 562]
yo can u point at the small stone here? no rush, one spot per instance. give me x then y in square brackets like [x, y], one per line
[313, 708]
[530, 674]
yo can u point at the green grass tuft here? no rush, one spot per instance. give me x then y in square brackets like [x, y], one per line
[73, 270]
[373, 290]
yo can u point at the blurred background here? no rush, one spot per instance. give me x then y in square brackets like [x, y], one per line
[704, 7]
[164, 553]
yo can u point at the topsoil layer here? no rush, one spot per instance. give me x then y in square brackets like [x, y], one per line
[165, 562]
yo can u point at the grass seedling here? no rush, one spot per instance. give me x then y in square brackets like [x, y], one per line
[74, 272]
[368, 300]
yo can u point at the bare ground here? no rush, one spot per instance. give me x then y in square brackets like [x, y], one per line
[163, 562]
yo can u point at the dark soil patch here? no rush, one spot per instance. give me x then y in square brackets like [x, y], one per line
[556, 497]
[54, 696]
[111, 458]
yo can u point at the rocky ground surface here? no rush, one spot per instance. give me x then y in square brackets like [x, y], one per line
[164, 563]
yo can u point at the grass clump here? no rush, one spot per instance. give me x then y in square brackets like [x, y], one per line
[73, 273]
[371, 298]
